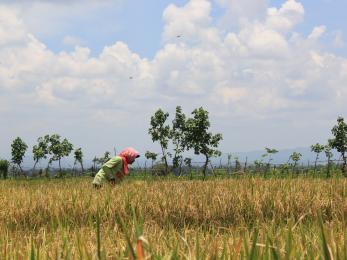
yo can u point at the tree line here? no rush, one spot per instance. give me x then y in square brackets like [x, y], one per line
[182, 134]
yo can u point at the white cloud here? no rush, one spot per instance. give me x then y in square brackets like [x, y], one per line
[317, 32]
[262, 70]
[284, 19]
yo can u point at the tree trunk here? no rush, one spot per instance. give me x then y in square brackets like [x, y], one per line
[315, 164]
[21, 170]
[344, 164]
[165, 161]
[60, 172]
[328, 168]
[205, 167]
[180, 168]
[82, 167]
[35, 165]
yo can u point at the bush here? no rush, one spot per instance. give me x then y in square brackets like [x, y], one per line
[4, 164]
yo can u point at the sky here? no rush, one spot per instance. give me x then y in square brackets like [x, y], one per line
[270, 73]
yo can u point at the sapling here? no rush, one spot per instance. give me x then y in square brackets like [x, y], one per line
[40, 150]
[199, 139]
[4, 165]
[78, 155]
[317, 148]
[19, 148]
[339, 142]
[151, 156]
[161, 133]
[295, 157]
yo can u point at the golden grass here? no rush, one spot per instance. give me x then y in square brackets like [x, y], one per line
[240, 218]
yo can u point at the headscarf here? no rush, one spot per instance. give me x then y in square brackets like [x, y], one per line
[127, 155]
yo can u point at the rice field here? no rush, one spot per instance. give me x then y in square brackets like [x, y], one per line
[244, 218]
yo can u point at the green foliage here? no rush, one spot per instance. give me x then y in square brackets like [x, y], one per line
[59, 149]
[40, 150]
[177, 135]
[4, 165]
[188, 162]
[199, 139]
[78, 155]
[339, 142]
[160, 133]
[269, 153]
[295, 157]
[329, 155]
[151, 156]
[317, 148]
[19, 148]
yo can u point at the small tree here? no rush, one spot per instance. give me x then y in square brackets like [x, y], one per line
[295, 157]
[340, 141]
[177, 135]
[329, 155]
[151, 156]
[18, 150]
[198, 137]
[4, 164]
[229, 163]
[59, 149]
[105, 158]
[317, 148]
[188, 163]
[161, 133]
[237, 164]
[95, 162]
[40, 150]
[78, 155]
[269, 153]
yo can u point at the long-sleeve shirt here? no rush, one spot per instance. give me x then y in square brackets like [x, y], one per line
[109, 170]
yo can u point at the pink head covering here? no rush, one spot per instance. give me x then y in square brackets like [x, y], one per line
[128, 155]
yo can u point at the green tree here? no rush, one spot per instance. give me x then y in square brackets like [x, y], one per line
[78, 155]
[268, 154]
[19, 148]
[295, 157]
[40, 150]
[188, 163]
[161, 133]
[340, 141]
[178, 138]
[229, 163]
[199, 139]
[59, 149]
[151, 156]
[4, 164]
[317, 148]
[107, 156]
[329, 155]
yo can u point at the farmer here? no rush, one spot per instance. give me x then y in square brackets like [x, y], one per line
[116, 168]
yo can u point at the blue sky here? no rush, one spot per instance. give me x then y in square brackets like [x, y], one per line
[140, 24]
[271, 73]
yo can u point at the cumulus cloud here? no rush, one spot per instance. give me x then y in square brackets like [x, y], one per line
[261, 69]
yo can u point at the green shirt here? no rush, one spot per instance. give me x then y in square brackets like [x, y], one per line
[109, 170]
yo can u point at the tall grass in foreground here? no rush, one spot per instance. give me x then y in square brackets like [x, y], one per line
[248, 218]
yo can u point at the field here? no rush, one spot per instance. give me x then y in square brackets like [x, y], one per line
[245, 217]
